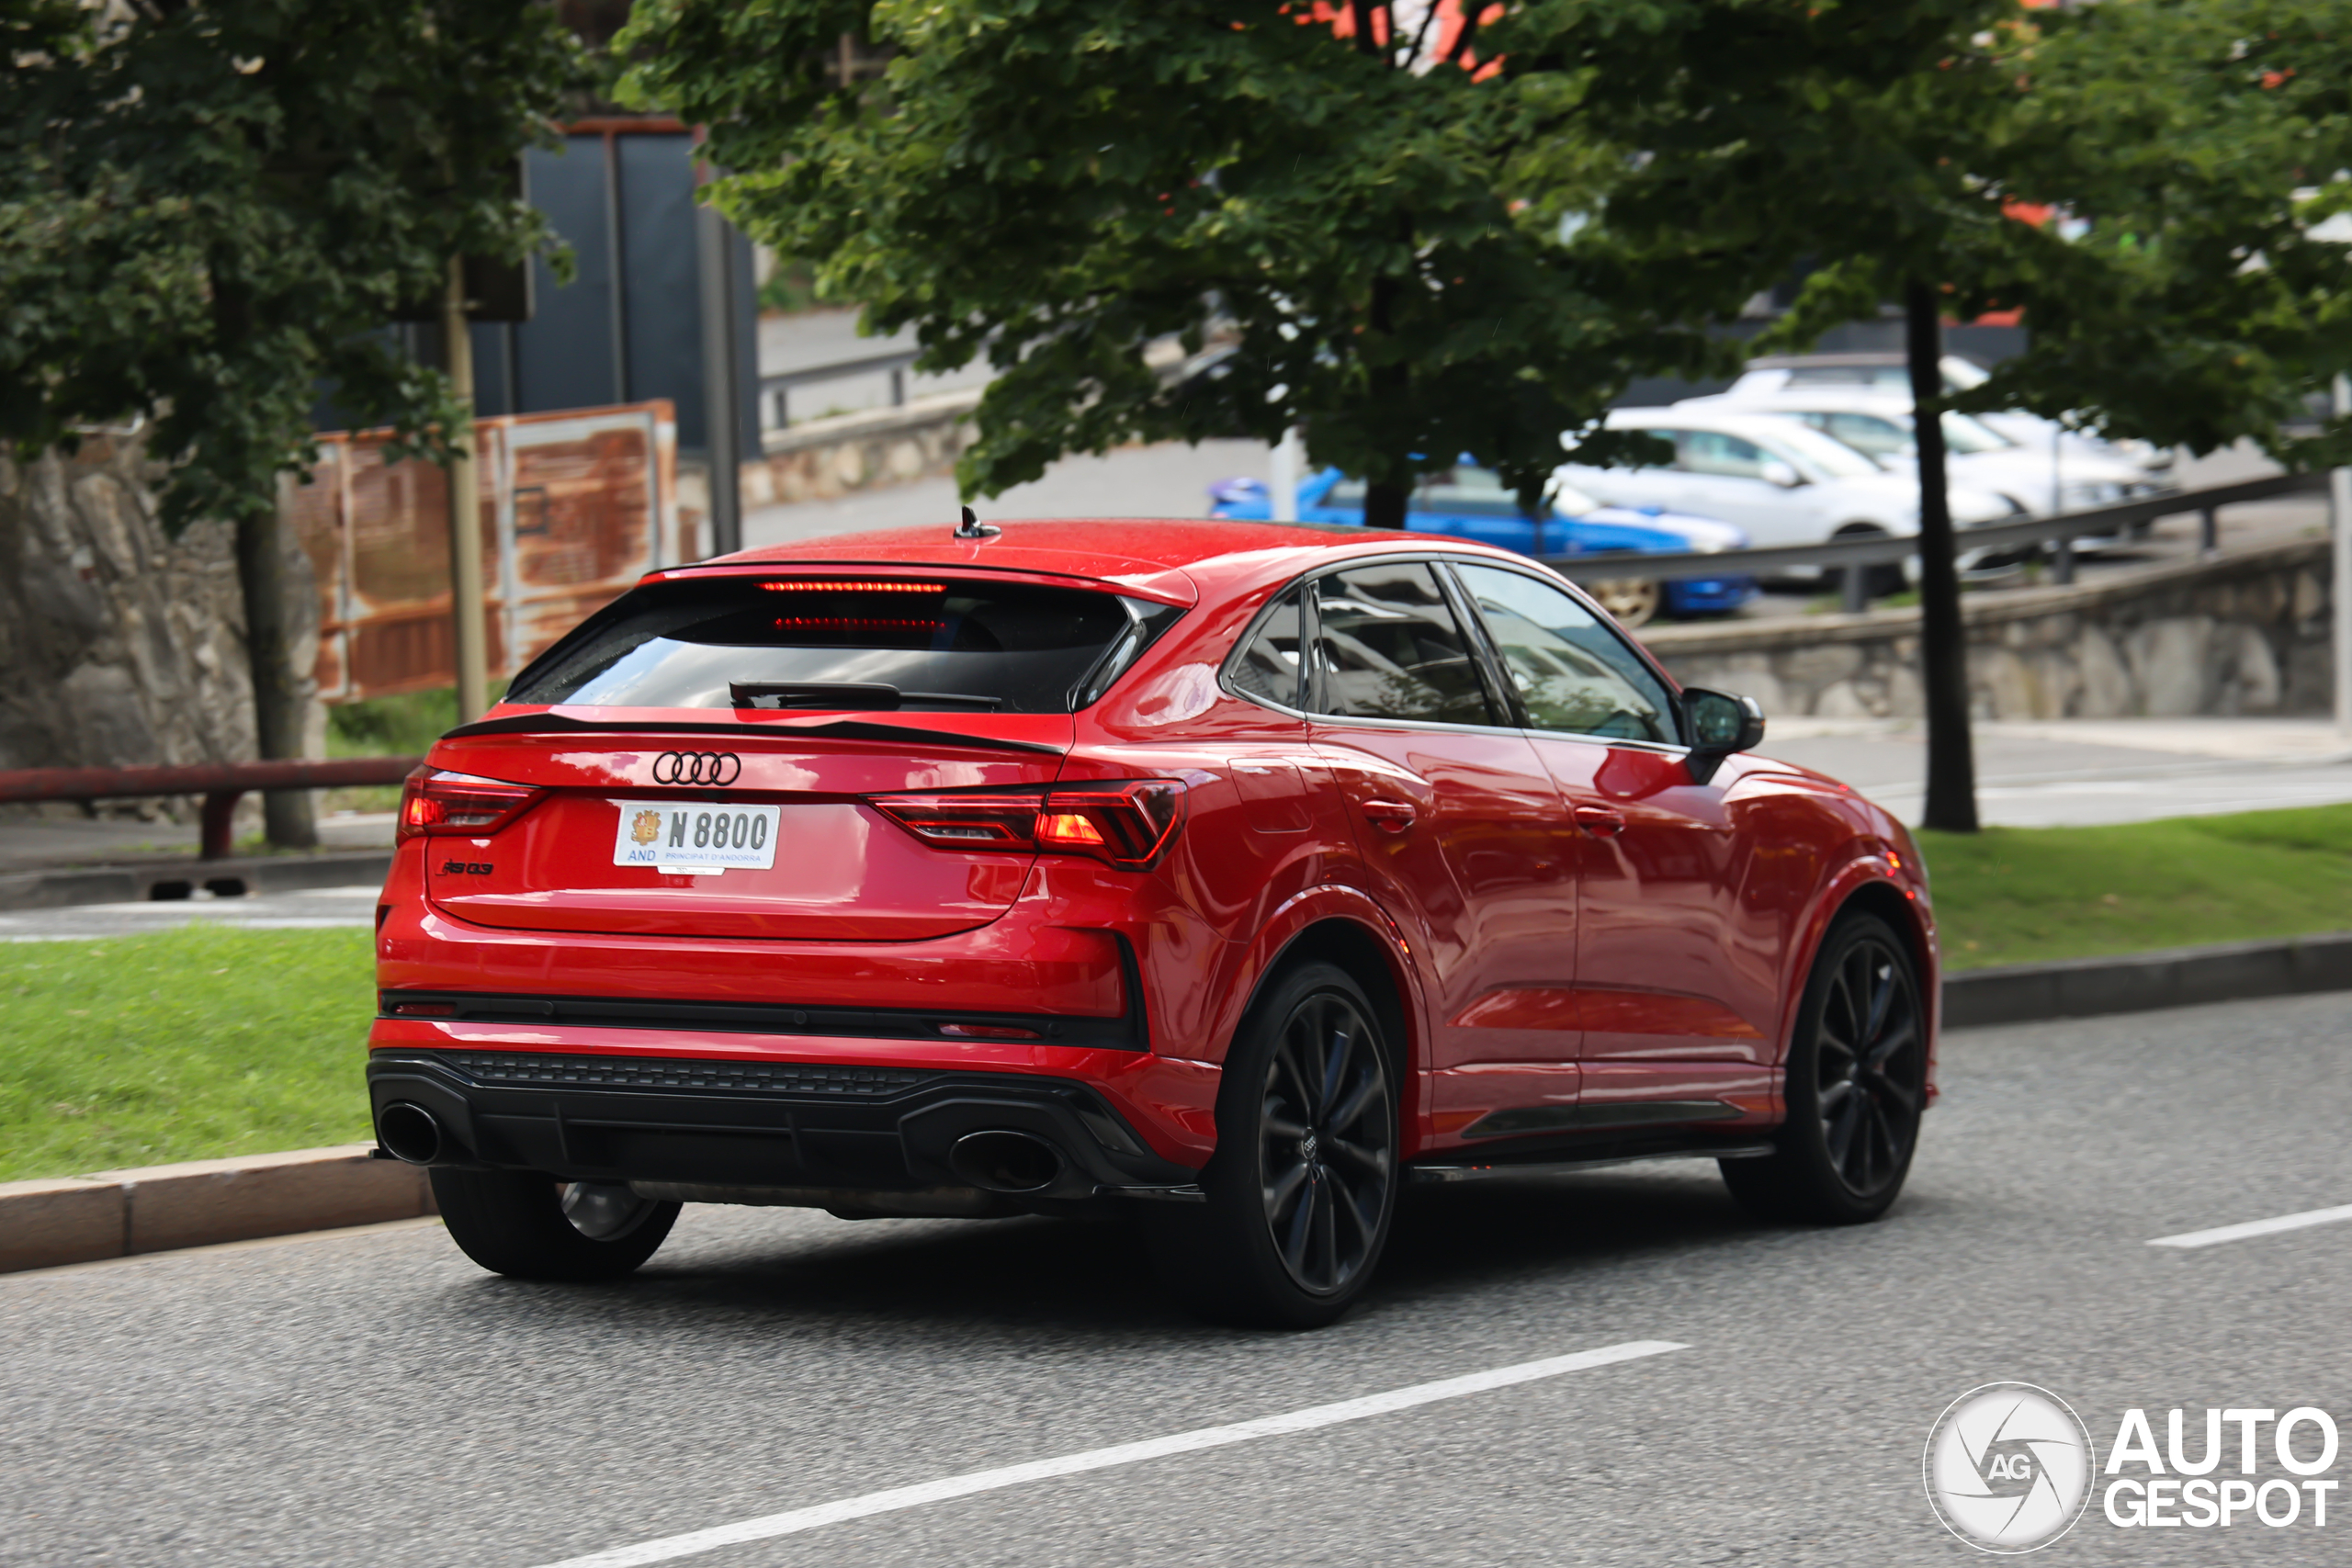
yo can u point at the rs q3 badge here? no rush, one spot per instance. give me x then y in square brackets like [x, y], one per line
[647, 828]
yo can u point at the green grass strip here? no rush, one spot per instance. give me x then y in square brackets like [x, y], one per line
[2022, 895]
[187, 1045]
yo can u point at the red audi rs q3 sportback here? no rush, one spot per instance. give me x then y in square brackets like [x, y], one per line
[1236, 872]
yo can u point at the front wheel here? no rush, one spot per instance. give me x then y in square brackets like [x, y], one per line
[534, 1227]
[1857, 1084]
[1303, 1185]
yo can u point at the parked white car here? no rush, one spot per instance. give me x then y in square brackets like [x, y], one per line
[1878, 424]
[1784, 483]
[1890, 373]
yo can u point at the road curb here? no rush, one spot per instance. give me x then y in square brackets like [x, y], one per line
[161, 1207]
[137, 882]
[2143, 982]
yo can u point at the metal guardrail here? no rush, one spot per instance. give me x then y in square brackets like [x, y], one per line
[1879, 549]
[220, 785]
[774, 391]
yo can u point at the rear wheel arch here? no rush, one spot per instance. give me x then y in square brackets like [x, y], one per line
[1352, 948]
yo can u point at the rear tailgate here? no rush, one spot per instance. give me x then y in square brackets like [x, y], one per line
[779, 798]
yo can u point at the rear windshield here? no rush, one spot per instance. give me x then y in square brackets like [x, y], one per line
[834, 641]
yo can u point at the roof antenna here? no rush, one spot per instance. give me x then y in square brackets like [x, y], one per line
[973, 529]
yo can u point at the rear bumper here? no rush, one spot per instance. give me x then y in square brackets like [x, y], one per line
[748, 1122]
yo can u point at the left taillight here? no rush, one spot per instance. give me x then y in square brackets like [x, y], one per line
[434, 801]
[1126, 823]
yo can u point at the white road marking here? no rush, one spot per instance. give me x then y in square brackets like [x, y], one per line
[2256, 1227]
[799, 1519]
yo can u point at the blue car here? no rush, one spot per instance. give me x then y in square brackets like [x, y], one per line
[1470, 502]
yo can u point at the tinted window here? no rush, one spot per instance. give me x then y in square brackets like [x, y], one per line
[1572, 672]
[1269, 665]
[1866, 433]
[834, 642]
[1713, 452]
[1389, 648]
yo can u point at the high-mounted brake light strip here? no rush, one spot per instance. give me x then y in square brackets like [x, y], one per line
[833, 586]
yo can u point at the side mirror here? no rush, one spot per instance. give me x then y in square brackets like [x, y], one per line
[1775, 471]
[1719, 723]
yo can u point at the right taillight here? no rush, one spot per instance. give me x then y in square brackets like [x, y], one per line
[433, 801]
[1126, 824]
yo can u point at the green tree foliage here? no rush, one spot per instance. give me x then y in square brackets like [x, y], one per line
[205, 210]
[2195, 151]
[2134, 176]
[1053, 184]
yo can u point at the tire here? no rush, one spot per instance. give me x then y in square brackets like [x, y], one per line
[1302, 1189]
[1629, 601]
[534, 1227]
[1856, 1085]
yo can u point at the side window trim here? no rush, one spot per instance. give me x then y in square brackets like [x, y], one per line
[1673, 688]
[1503, 696]
[1302, 695]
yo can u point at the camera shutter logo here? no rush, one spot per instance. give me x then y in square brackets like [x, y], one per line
[2008, 1467]
[714, 768]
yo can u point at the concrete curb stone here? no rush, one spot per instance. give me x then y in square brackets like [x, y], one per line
[164, 1207]
[2139, 982]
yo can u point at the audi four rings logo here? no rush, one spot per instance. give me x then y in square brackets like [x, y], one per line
[697, 768]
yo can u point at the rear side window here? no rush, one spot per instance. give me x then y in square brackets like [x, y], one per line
[1388, 646]
[833, 641]
[1270, 667]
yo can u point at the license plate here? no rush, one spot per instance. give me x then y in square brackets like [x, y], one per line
[697, 836]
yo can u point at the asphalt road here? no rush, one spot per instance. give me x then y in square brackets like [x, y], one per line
[374, 1399]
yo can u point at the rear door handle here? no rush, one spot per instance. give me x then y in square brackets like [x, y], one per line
[1601, 821]
[1391, 816]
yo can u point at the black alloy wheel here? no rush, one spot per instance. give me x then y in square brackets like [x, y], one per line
[1326, 1148]
[1870, 1066]
[1303, 1188]
[1857, 1084]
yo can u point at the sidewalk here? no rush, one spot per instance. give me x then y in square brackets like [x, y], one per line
[47, 842]
[2083, 772]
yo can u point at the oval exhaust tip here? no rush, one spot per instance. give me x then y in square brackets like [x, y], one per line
[409, 1133]
[1001, 1160]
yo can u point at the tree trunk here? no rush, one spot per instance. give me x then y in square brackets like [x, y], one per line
[1384, 504]
[287, 815]
[1943, 641]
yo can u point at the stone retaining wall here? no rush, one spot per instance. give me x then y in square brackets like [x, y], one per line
[828, 457]
[2242, 634]
[121, 647]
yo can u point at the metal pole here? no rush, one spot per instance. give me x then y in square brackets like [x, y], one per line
[722, 367]
[1290, 460]
[2339, 496]
[466, 608]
